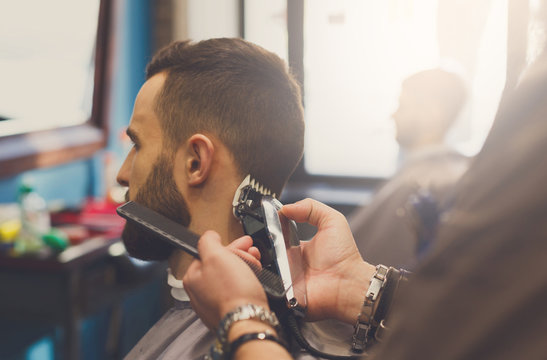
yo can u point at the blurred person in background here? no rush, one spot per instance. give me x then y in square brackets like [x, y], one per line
[399, 224]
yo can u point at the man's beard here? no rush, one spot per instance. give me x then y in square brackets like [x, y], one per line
[160, 194]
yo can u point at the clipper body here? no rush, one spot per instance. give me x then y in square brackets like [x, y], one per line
[275, 237]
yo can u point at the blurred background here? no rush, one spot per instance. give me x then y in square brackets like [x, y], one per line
[69, 73]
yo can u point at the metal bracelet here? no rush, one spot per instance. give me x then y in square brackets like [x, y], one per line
[245, 312]
[363, 328]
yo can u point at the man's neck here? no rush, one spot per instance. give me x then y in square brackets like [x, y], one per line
[228, 227]
[210, 207]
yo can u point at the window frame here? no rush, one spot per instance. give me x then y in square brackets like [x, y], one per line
[45, 148]
[295, 28]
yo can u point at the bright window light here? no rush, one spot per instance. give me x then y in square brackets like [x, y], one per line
[356, 54]
[266, 25]
[46, 63]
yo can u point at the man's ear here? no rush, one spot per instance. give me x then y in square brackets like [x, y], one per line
[199, 159]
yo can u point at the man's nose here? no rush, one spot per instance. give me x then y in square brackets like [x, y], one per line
[123, 174]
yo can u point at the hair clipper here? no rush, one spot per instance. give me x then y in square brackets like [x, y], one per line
[276, 238]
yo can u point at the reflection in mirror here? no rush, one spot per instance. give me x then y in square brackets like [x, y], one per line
[46, 63]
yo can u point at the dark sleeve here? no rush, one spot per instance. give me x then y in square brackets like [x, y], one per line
[482, 291]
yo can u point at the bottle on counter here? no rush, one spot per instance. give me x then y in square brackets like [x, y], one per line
[35, 220]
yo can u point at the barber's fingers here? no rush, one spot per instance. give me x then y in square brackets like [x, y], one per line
[243, 247]
[254, 252]
[245, 244]
[314, 213]
[242, 243]
[210, 249]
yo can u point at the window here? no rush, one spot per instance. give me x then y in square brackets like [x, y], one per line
[356, 54]
[265, 24]
[46, 63]
[53, 59]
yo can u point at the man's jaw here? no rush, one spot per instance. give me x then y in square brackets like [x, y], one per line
[179, 261]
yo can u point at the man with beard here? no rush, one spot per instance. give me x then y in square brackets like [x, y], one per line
[208, 114]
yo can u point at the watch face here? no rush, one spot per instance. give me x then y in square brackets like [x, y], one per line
[282, 233]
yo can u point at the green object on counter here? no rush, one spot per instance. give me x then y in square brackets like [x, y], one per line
[25, 188]
[55, 239]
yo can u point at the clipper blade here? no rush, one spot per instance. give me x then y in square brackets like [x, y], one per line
[249, 183]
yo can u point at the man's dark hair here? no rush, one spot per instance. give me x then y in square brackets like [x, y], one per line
[240, 93]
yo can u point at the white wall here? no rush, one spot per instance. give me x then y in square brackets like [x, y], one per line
[204, 19]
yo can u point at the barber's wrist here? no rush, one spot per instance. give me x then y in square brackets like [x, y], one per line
[251, 317]
[246, 338]
[250, 344]
[229, 306]
[352, 295]
[371, 326]
[249, 326]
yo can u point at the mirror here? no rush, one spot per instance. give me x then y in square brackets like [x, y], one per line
[53, 61]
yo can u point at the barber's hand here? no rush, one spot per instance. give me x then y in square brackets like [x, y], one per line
[336, 275]
[221, 281]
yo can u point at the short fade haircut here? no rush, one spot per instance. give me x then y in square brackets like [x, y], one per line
[239, 92]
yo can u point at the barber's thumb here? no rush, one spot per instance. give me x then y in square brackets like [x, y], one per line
[298, 211]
